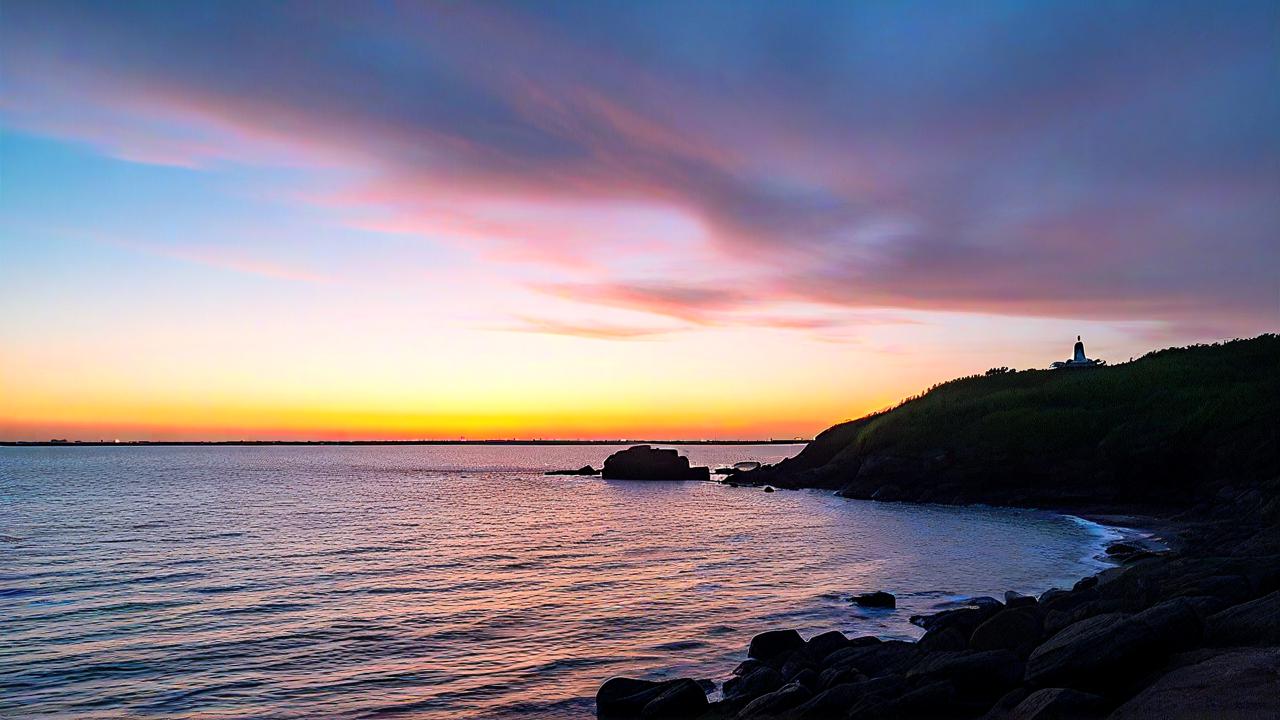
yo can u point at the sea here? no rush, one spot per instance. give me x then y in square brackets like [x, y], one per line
[447, 581]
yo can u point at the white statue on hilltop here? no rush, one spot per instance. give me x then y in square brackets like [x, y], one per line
[1078, 358]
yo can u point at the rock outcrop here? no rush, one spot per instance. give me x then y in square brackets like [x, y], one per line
[643, 462]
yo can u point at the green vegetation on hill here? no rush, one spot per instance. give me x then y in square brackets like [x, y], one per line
[1170, 428]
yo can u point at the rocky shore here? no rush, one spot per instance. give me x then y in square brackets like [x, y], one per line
[1187, 436]
[1188, 633]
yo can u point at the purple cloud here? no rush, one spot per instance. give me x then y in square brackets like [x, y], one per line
[1055, 159]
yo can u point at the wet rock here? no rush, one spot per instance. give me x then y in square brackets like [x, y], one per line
[878, 599]
[678, 699]
[1052, 593]
[1230, 685]
[963, 620]
[584, 470]
[768, 489]
[1253, 623]
[1120, 548]
[775, 703]
[1019, 629]
[1058, 704]
[643, 462]
[623, 697]
[1017, 599]
[771, 644]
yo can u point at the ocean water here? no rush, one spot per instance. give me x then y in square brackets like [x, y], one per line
[444, 581]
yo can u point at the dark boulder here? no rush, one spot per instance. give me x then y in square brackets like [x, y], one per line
[886, 658]
[947, 638]
[810, 679]
[878, 599]
[1013, 598]
[1111, 648]
[774, 643]
[622, 698]
[838, 699]
[1253, 623]
[1238, 684]
[775, 703]
[768, 489]
[1087, 583]
[963, 620]
[1068, 601]
[820, 646]
[984, 674]
[1019, 629]
[1052, 593]
[931, 701]
[642, 462]
[1120, 548]
[795, 664]
[1005, 705]
[833, 676]
[762, 680]
[682, 698]
[1058, 704]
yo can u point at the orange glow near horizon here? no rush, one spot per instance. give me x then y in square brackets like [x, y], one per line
[720, 383]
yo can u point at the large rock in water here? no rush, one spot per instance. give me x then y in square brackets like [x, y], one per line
[643, 462]
[624, 698]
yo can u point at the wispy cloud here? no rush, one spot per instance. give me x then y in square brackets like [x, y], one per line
[592, 331]
[1121, 167]
[221, 258]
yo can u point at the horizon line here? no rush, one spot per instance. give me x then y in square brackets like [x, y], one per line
[508, 441]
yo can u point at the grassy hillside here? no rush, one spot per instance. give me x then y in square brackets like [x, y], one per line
[1169, 429]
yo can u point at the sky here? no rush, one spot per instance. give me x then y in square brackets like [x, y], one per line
[254, 220]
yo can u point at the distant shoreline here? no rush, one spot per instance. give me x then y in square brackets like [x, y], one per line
[168, 443]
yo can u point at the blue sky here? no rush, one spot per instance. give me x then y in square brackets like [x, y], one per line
[842, 183]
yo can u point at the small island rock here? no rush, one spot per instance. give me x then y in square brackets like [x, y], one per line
[878, 599]
[643, 462]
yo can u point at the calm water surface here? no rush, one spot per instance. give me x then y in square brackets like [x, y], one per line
[444, 581]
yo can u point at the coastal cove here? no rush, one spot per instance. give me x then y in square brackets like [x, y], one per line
[1184, 436]
[357, 580]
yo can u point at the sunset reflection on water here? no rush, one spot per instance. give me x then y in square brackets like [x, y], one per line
[444, 582]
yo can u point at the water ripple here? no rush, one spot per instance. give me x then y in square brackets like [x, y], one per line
[443, 582]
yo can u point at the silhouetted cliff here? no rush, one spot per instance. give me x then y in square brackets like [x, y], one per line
[1172, 429]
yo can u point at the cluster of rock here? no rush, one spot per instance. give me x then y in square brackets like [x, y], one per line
[643, 462]
[1193, 635]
